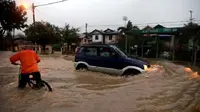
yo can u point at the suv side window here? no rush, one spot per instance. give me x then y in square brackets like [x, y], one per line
[106, 52]
[91, 51]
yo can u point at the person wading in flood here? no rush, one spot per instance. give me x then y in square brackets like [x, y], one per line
[28, 59]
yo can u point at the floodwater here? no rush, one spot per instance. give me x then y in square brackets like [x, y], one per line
[166, 87]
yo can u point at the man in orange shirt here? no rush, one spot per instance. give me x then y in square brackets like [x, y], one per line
[28, 59]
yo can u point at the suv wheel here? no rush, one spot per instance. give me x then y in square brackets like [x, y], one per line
[82, 67]
[131, 72]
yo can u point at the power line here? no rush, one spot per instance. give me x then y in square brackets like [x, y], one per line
[102, 25]
[163, 22]
[50, 3]
[50, 15]
[144, 24]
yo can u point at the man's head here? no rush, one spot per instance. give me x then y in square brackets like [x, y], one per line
[27, 47]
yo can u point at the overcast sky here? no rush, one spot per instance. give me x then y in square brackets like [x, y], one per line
[102, 14]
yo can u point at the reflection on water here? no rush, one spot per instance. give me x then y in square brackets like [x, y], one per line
[188, 69]
[192, 74]
[164, 88]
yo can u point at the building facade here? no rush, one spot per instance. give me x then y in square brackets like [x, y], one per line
[107, 36]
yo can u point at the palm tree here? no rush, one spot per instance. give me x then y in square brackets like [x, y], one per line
[69, 35]
[131, 33]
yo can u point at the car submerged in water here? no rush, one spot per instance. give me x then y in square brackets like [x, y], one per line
[108, 59]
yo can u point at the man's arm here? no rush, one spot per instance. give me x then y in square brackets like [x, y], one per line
[15, 58]
[37, 58]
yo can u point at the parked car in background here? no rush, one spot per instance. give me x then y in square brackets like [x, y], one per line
[108, 59]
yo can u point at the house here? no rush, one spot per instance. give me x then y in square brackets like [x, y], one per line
[159, 32]
[110, 36]
[96, 36]
[107, 36]
[148, 28]
[84, 39]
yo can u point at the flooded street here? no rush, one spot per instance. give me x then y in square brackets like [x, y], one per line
[166, 87]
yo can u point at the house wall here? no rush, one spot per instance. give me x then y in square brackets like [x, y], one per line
[100, 38]
[114, 39]
[84, 41]
[107, 39]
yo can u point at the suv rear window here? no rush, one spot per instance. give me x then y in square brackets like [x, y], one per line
[91, 51]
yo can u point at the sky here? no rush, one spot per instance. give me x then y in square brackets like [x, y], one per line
[103, 14]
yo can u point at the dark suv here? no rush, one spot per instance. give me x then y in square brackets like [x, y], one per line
[108, 59]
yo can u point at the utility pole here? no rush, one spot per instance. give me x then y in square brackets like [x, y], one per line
[125, 19]
[191, 19]
[34, 6]
[86, 25]
[157, 46]
[33, 10]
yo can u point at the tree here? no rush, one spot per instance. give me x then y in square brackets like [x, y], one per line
[191, 34]
[20, 36]
[11, 17]
[7, 41]
[69, 35]
[132, 33]
[126, 29]
[43, 33]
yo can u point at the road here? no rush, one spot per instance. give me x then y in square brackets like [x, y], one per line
[166, 87]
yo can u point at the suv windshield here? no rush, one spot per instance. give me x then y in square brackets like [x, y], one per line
[121, 53]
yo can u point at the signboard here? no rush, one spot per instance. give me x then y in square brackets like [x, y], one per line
[161, 30]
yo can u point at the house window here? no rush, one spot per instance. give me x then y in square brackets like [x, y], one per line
[110, 37]
[96, 37]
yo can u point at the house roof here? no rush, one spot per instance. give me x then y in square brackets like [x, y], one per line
[96, 31]
[158, 26]
[108, 30]
[110, 33]
[147, 27]
[83, 35]
[105, 32]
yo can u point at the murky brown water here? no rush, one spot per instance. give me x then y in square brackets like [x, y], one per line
[165, 88]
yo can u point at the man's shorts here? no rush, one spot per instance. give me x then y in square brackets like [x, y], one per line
[24, 78]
